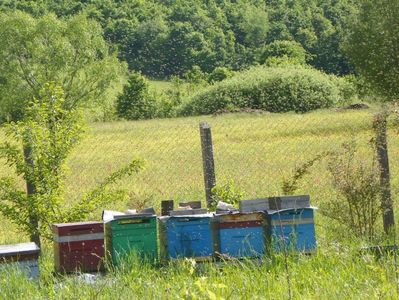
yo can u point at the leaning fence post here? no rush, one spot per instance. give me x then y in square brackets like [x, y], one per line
[380, 127]
[207, 160]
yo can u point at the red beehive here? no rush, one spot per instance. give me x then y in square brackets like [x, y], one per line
[79, 246]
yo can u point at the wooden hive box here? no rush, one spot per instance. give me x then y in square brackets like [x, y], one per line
[287, 202]
[242, 234]
[79, 247]
[24, 256]
[292, 230]
[129, 234]
[190, 236]
[255, 205]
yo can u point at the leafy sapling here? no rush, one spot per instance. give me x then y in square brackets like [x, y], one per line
[37, 149]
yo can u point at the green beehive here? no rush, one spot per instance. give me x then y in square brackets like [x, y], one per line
[131, 234]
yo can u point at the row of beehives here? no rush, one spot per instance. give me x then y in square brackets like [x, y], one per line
[83, 246]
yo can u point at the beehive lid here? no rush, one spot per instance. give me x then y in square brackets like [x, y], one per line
[78, 228]
[253, 205]
[18, 249]
[133, 216]
[289, 202]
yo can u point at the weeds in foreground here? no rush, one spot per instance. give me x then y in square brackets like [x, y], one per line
[328, 274]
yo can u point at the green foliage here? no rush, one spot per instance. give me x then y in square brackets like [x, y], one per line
[164, 38]
[195, 75]
[136, 102]
[372, 45]
[284, 49]
[357, 182]
[227, 192]
[71, 52]
[279, 89]
[48, 133]
[220, 74]
[253, 23]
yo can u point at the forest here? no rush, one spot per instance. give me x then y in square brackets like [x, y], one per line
[161, 38]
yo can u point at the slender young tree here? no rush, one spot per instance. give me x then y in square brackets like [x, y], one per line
[48, 133]
[373, 47]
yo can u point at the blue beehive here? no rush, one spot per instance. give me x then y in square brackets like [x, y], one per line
[189, 236]
[293, 229]
[242, 235]
[23, 256]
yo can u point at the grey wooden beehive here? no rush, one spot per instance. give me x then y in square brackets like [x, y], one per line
[247, 206]
[24, 256]
[286, 202]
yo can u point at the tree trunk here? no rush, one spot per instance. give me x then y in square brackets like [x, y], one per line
[31, 190]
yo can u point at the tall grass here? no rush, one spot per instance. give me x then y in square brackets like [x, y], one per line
[326, 275]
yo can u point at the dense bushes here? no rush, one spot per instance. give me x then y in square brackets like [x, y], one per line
[282, 88]
[277, 89]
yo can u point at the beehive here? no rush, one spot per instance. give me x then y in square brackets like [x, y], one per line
[293, 229]
[79, 246]
[132, 233]
[24, 256]
[242, 234]
[189, 236]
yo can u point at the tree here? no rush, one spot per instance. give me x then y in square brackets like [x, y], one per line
[49, 132]
[254, 25]
[71, 52]
[135, 102]
[373, 45]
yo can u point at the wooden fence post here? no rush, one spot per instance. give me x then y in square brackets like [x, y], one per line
[380, 127]
[207, 160]
[31, 190]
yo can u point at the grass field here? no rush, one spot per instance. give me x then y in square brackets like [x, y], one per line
[257, 151]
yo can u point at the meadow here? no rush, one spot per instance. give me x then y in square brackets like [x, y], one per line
[255, 150]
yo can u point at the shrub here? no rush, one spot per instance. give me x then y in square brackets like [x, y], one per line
[219, 74]
[195, 75]
[290, 50]
[358, 185]
[135, 102]
[278, 89]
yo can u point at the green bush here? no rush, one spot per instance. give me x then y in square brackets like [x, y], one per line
[289, 50]
[277, 89]
[219, 74]
[136, 102]
[195, 75]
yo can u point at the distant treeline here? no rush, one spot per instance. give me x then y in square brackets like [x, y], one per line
[161, 38]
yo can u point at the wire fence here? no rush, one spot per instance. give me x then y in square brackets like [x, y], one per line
[256, 151]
